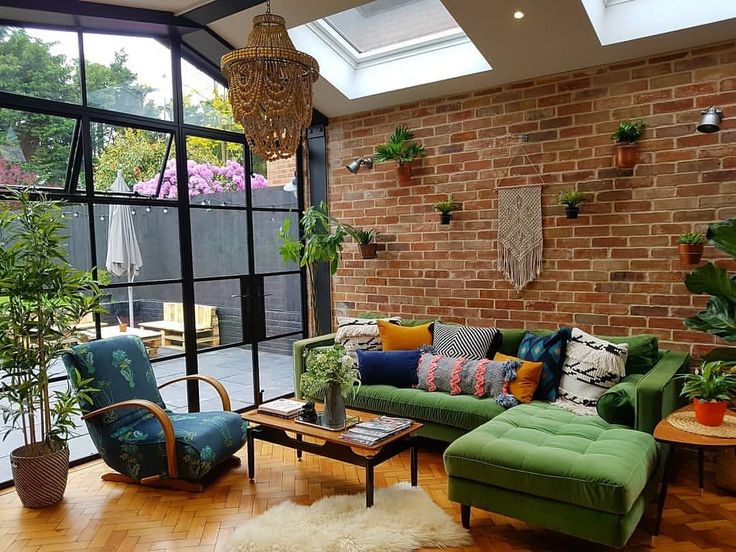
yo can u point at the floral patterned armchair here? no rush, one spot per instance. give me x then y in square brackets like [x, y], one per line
[132, 429]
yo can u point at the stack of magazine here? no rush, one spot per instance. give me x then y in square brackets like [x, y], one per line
[373, 431]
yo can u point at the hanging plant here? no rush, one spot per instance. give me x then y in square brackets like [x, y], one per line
[690, 247]
[626, 136]
[402, 148]
[446, 208]
[366, 242]
[572, 199]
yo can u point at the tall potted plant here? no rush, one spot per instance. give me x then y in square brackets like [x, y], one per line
[626, 136]
[331, 375]
[711, 388]
[572, 199]
[42, 299]
[402, 148]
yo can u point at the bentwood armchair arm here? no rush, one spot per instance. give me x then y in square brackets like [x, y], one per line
[208, 379]
[163, 419]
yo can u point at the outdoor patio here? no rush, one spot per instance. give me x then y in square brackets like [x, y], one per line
[232, 367]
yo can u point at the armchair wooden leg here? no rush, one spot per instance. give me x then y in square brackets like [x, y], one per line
[118, 478]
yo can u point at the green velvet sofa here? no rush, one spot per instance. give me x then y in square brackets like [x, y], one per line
[578, 475]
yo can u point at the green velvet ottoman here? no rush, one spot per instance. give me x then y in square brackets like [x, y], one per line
[578, 475]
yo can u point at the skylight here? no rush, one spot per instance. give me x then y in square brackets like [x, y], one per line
[388, 45]
[389, 23]
[617, 21]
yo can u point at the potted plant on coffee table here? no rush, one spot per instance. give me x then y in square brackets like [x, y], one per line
[690, 247]
[330, 375]
[626, 136]
[572, 199]
[42, 299]
[446, 208]
[711, 388]
[402, 148]
[366, 242]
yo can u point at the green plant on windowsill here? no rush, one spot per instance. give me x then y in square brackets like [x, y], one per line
[446, 208]
[711, 387]
[402, 148]
[572, 199]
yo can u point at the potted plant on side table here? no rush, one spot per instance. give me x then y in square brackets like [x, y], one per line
[446, 208]
[330, 374]
[711, 388]
[626, 136]
[572, 199]
[402, 148]
[42, 299]
[690, 247]
[366, 242]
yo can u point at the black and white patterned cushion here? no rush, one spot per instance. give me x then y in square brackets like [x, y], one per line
[591, 367]
[466, 341]
[360, 333]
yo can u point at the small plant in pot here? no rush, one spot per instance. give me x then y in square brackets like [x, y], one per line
[446, 208]
[690, 247]
[626, 136]
[42, 299]
[366, 242]
[711, 388]
[572, 199]
[402, 148]
[331, 375]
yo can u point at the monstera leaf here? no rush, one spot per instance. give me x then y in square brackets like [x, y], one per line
[711, 279]
[718, 318]
[723, 236]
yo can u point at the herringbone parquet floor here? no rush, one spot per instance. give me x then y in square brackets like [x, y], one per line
[98, 516]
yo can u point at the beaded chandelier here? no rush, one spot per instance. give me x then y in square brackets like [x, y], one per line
[270, 88]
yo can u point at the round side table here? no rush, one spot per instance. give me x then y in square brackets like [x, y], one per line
[665, 432]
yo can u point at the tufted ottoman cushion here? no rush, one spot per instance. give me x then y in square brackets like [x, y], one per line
[542, 450]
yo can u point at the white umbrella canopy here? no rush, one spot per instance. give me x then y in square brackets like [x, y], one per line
[123, 253]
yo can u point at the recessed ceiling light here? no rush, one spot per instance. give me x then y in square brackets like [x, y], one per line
[518, 14]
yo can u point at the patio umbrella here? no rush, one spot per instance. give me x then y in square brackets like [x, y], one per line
[123, 253]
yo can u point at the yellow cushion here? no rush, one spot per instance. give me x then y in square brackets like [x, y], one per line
[403, 338]
[527, 378]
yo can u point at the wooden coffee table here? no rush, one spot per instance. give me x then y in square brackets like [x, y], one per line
[665, 432]
[273, 429]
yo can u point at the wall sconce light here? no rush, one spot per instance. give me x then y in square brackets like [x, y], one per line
[710, 120]
[355, 166]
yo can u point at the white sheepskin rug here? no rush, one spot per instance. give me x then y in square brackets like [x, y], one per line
[403, 518]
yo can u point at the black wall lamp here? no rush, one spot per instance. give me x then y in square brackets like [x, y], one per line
[710, 120]
[356, 165]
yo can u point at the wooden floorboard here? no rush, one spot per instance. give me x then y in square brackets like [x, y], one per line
[98, 516]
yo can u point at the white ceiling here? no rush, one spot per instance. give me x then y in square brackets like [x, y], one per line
[555, 36]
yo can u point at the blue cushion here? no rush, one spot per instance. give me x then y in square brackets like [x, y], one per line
[397, 368]
[550, 350]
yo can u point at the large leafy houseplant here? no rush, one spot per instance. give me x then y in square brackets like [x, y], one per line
[42, 299]
[719, 316]
[323, 239]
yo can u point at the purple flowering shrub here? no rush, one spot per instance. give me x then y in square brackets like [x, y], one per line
[204, 178]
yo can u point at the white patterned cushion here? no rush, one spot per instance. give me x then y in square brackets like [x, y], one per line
[360, 333]
[465, 341]
[591, 367]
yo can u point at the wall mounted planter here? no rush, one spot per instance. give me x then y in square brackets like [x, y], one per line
[404, 172]
[690, 253]
[368, 250]
[627, 156]
[445, 218]
[572, 212]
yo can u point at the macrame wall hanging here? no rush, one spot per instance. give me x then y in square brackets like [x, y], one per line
[520, 229]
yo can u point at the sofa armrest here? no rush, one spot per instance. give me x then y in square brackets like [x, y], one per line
[658, 392]
[300, 350]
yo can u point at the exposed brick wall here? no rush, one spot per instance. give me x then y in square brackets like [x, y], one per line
[280, 172]
[612, 271]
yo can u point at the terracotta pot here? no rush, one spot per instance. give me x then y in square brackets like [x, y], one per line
[122, 328]
[572, 212]
[710, 413]
[627, 156]
[445, 218]
[404, 172]
[368, 250]
[40, 473]
[690, 253]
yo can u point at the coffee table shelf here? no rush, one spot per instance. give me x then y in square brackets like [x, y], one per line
[275, 430]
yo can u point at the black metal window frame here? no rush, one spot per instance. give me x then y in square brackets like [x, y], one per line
[81, 157]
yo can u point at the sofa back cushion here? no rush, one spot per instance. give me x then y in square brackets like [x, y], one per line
[466, 341]
[404, 338]
[397, 368]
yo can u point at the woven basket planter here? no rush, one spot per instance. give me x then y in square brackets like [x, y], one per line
[40, 474]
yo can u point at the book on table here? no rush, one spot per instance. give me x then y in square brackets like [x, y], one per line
[374, 431]
[285, 408]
